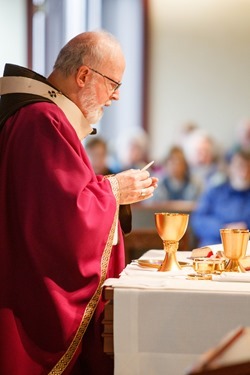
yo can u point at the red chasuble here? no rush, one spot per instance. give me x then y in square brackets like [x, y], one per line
[56, 233]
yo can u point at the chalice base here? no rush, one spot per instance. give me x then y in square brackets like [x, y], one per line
[234, 266]
[170, 263]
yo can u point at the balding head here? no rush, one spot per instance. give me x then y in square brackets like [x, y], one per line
[93, 48]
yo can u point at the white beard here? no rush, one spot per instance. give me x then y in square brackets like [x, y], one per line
[92, 112]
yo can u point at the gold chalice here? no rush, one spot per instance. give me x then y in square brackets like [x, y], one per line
[234, 243]
[171, 227]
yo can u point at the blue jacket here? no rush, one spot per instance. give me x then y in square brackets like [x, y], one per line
[217, 207]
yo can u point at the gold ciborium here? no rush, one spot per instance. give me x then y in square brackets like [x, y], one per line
[234, 243]
[171, 227]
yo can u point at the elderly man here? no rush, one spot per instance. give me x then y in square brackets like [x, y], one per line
[60, 232]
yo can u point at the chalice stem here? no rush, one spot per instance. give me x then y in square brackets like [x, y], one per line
[170, 262]
[234, 266]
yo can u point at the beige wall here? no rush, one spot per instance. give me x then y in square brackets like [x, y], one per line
[13, 47]
[200, 65]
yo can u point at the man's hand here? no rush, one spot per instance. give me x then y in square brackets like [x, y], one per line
[135, 185]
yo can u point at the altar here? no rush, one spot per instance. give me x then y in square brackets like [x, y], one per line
[163, 322]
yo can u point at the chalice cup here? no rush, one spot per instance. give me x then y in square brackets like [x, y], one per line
[234, 243]
[171, 227]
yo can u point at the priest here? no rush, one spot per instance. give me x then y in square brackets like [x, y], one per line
[62, 227]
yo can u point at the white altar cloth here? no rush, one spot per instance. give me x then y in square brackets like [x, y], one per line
[161, 329]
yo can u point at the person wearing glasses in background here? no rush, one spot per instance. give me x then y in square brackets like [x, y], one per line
[62, 226]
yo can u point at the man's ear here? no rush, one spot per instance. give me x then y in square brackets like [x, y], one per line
[81, 75]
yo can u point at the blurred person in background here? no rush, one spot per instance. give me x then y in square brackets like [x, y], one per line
[175, 182]
[242, 137]
[225, 205]
[184, 131]
[204, 159]
[132, 149]
[97, 150]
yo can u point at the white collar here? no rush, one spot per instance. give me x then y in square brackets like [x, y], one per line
[24, 85]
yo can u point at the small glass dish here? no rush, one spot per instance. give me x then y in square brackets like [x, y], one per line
[204, 266]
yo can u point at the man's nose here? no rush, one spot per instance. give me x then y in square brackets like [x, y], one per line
[115, 95]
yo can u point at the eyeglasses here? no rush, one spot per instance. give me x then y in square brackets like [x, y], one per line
[117, 84]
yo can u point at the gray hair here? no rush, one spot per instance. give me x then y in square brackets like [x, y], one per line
[92, 48]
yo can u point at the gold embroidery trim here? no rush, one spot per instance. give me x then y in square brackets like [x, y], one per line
[91, 306]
